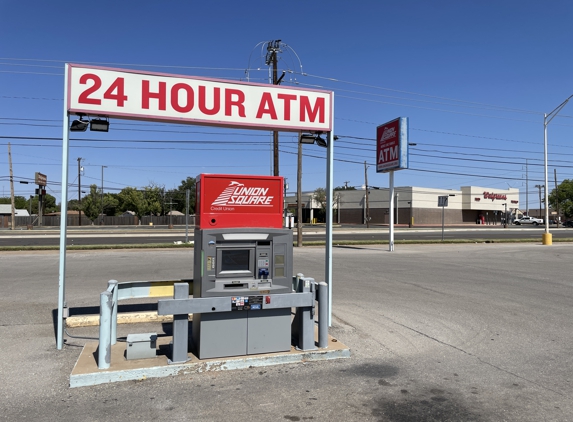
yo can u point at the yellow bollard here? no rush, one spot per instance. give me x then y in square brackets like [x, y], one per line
[547, 239]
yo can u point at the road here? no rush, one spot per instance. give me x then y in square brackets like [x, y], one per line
[473, 333]
[134, 236]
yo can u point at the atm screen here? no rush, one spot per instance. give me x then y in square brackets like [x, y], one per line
[235, 259]
[233, 262]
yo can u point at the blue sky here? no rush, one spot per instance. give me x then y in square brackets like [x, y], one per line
[473, 77]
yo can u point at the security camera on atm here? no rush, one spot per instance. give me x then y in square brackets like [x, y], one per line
[241, 247]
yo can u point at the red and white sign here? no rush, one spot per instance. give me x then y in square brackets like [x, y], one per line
[392, 145]
[228, 201]
[183, 99]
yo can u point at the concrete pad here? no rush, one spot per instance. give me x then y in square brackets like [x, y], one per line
[86, 372]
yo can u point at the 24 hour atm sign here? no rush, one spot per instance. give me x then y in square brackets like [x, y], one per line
[182, 99]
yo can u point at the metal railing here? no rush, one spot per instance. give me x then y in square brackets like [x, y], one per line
[306, 293]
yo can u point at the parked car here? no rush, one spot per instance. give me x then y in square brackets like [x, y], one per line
[528, 220]
[568, 224]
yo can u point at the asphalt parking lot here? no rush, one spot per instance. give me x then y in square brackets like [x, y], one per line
[474, 332]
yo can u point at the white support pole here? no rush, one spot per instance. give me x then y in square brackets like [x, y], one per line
[63, 219]
[391, 211]
[329, 196]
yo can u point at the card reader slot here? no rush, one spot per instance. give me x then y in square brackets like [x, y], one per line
[236, 286]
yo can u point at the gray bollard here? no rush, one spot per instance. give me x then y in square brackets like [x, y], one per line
[104, 348]
[305, 318]
[112, 286]
[179, 347]
[322, 315]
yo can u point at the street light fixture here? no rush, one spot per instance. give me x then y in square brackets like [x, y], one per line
[311, 138]
[79, 125]
[96, 125]
[307, 138]
[99, 125]
[547, 237]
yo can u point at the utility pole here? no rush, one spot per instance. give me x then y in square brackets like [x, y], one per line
[187, 193]
[102, 167]
[13, 207]
[285, 187]
[539, 187]
[80, 190]
[397, 195]
[526, 188]
[366, 196]
[299, 196]
[273, 47]
[556, 195]
[170, 212]
[346, 184]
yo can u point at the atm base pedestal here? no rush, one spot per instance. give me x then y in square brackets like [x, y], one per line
[242, 333]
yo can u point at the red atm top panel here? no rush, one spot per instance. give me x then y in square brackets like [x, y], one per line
[229, 201]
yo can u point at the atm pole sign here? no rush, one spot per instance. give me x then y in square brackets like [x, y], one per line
[392, 145]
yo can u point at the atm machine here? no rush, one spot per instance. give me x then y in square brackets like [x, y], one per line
[243, 252]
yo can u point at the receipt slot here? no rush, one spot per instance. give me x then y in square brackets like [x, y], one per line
[246, 264]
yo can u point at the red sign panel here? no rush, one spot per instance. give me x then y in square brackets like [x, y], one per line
[392, 145]
[234, 201]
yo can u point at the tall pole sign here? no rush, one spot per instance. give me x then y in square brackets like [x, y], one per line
[391, 155]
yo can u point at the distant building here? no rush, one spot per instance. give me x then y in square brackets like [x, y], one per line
[466, 205]
[6, 214]
[6, 209]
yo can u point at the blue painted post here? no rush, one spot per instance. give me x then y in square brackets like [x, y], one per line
[104, 349]
[322, 315]
[112, 286]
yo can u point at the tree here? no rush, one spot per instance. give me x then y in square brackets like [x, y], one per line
[562, 197]
[141, 202]
[73, 205]
[344, 188]
[178, 196]
[131, 199]
[110, 204]
[20, 202]
[91, 203]
[319, 196]
[153, 196]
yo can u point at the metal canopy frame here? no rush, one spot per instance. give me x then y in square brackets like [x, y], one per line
[64, 201]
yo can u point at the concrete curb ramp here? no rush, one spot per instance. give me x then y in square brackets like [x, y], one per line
[86, 372]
